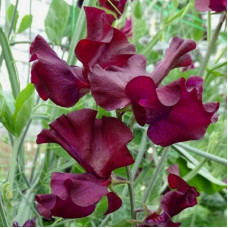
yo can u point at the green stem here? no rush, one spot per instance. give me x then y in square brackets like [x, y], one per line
[13, 18]
[13, 163]
[79, 31]
[202, 153]
[155, 175]
[105, 221]
[211, 45]
[138, 160]
[131, 192]
[2, 214]
[209, 27]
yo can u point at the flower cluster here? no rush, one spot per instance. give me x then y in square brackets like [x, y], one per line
[117, 78]
[173, 202]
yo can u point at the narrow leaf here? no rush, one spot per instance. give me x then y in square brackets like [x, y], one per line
[25, 23]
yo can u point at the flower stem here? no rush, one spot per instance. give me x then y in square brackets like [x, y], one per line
[131, 192]
[156, 173]
[2, 214]
[13, 163]
[211, 45]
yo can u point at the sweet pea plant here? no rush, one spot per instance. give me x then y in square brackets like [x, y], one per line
[120, 120]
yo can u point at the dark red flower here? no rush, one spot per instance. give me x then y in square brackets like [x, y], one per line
[119, 5]
[28, 223]
[174, 112]
[215, 5]
[173, 202]
[99, 146]
[159, 220]
[104, 45]
[108, 85]
[75, 196]
[53, 78]
[127, 29]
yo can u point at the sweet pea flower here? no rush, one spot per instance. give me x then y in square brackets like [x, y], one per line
[28, 223]
[172, 202]
[127, 29]
[53, 78]
[214, 5]
[103, 45]
[119, 5]
[99, 146]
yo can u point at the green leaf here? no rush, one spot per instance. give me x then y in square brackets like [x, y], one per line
[10, 16]
[23, 108]
[203, 181]
[138, 9]
[25, 23]
[5, 113]
[56, 20]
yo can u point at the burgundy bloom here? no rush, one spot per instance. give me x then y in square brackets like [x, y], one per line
[215, 5]
[75, 196]
[104, 45]
[175, 112]
[28, 223]
[119, 4]
[99, 146]
[108, 85]
[156, 220]
[127, 29]
[53, 78]
[173, 202]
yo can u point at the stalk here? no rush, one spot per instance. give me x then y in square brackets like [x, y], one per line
[13, 18]
[131, 192]
[212, 45]
[155, 174]
[2, 214]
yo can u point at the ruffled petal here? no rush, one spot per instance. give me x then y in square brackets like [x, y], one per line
[116, 52]
[84, 189]
[99, 25]
[175, 56]
[49, 205]
[28, 223]
[114, 203]
[174, 202]
[53, 78]
[108, 85]
[99, 146]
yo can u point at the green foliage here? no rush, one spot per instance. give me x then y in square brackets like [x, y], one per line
[10, 16]
[23, 108]
[26, 22]
[56, 20]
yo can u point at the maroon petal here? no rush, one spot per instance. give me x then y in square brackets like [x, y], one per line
[99, 25]
[175, 56]
[218, 5]
[156, 220]
[99, 146]
[174, 202]
[49, 205]
[74, 133]
[114, 203]
[186, 120]
[177, 182]
[142, 93]
[108, 86]
[119, 4]
[127, 29]
[174, 169]
[53, 78]
[202, 5]
[116, 52]
[84, 189]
